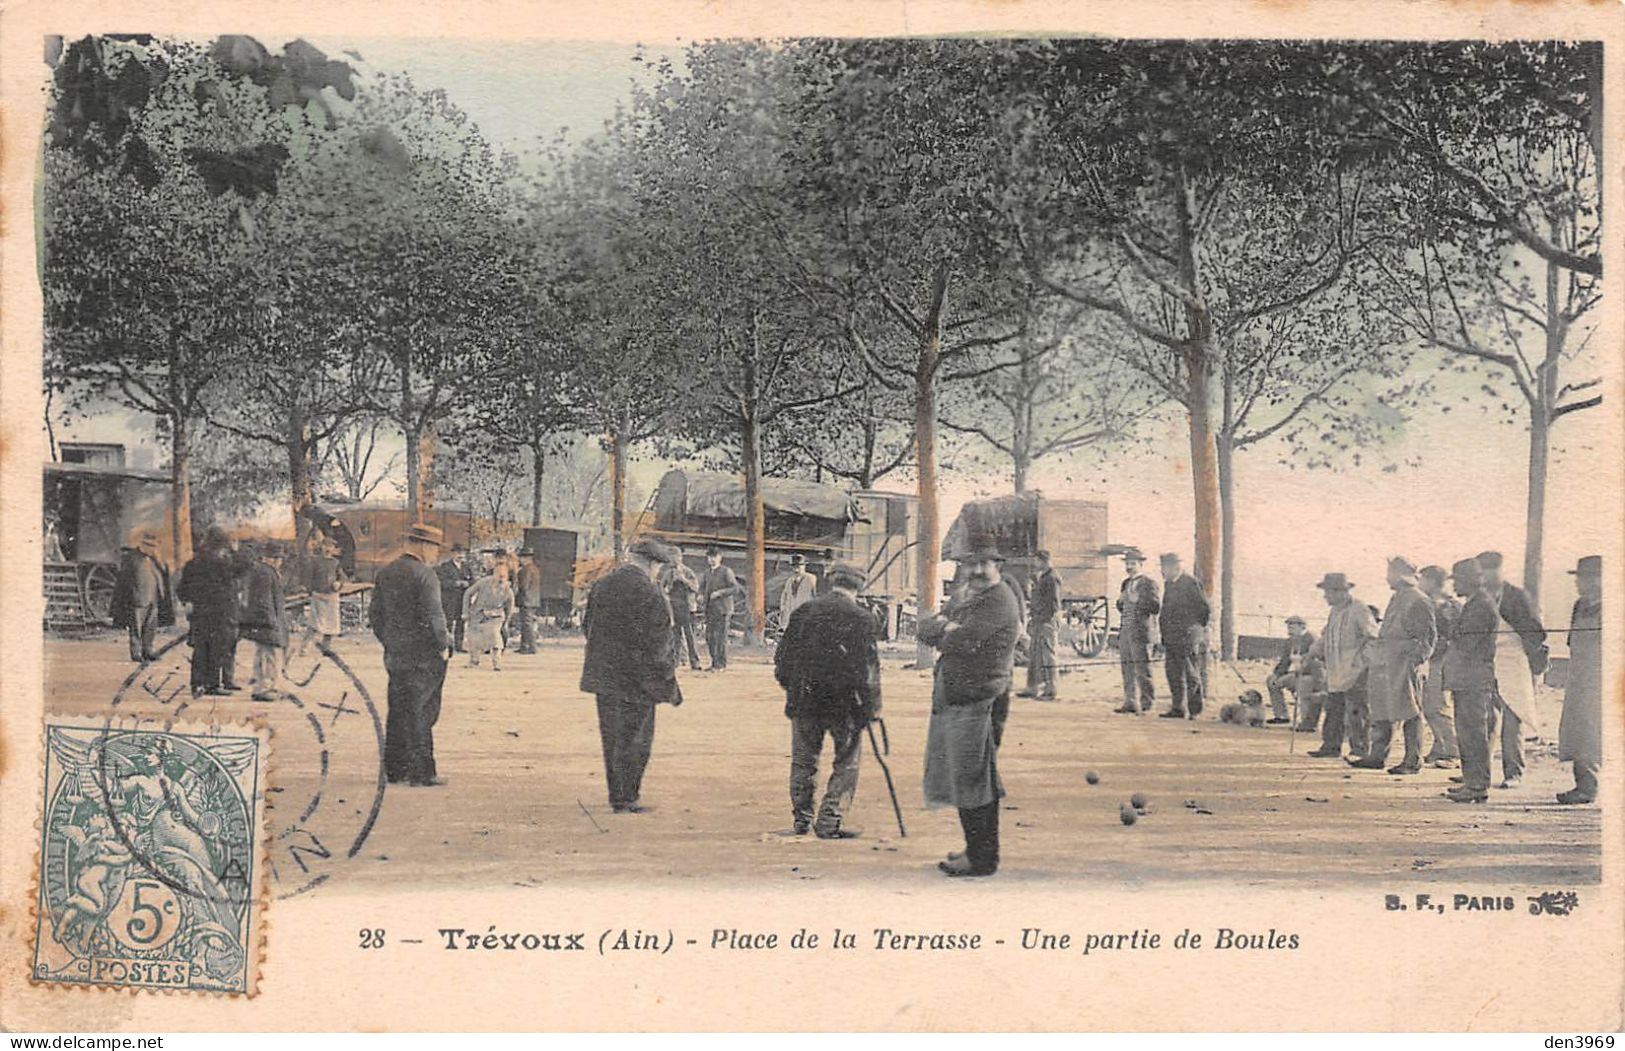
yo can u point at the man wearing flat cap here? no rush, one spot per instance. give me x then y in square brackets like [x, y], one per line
[1139, 601]
[1579, 735]
[1294, 672]
[828, 662]
[1350, 627]
[1520, 655]
[407, 615]
[1436, 710]
[527, 593]
[1397, 660]
[976, 639]
[1043, 606]
[1469, 675]
[1185, 613]
[630, 665]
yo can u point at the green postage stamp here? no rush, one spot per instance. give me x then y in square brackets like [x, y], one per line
[151, 855]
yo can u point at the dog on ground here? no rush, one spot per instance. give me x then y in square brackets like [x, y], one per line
[1246, 710]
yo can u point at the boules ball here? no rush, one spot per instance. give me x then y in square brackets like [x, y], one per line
[1138, 801]
[1127, 815]
[1092, 777]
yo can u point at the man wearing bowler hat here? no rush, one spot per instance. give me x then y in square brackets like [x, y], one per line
[1138, 600]
[1350, 627]
[1043, 606]
[1397, 661]
[1469, 675]
[828, 662]
[719, 588]
[408, 617]
[976, 638]
[1579, 735]
[630, 665]
[527, 593]
[1185, 613]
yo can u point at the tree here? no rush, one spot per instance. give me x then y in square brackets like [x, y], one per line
[351, 452]
[860, 438]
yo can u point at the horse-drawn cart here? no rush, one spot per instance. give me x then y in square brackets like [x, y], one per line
[92, 512]
[1074, 534]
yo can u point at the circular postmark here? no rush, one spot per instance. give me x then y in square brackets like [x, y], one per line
[327, 767]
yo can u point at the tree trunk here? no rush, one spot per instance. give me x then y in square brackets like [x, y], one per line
[1540, 429]
[755, 531]
[1198, 337]
[538, 465]
[1227, 546]
[617, 492]
[428, 442]
[925, 454]
[180, 477]
[301, 486]
[411, 431]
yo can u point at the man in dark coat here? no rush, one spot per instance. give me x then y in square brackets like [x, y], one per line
[1515, 609]
[1185, 613]
[682, 591]
[208, 585]
[631, 665]
[140, 595]
[1293, 672]
[1469, 675]
[456, 575]
[408, 616]
[719, 588]
[1579, 735]
[828, 662]
[527, 593]
[1138, 601]
[976, 638]
[1043, 607]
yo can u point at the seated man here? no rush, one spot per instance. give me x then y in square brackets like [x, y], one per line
[1294, 671]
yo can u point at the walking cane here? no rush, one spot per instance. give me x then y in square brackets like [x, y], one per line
[891, 789]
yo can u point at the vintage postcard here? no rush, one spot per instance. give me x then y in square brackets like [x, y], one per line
[885, 516]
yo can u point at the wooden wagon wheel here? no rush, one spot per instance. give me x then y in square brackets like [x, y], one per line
[1087, 619]
[97, 588]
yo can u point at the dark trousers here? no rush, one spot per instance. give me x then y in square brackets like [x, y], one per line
[1473, 706]
[981, 826]
[1185, 675]
[1041, 657]
[1001, 712]
[1382, 736]
[214, 654]
[527, 629]
[626, 728]
[716, 637]
[414, 708]
[1347, 714]
[454, 621]
[807, 733]
[1511, 738]
[143, 629]
[682, 626]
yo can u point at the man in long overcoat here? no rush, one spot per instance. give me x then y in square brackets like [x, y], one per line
[976, 640]
[828, 662]
[1185, 613]
[1138, 600]
[1397, 662]
[630, 665]
[1579, 735]
[1469, 675]
[1340, 650]
[141, 595]
[1520, 655]
[264, 621]
[208, 585]
[409, 618]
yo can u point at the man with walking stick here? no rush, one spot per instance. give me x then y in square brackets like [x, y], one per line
[828, 662]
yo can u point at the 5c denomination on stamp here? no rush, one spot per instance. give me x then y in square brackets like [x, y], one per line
[152, 852]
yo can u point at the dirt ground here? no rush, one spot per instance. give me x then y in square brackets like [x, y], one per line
[524, 800]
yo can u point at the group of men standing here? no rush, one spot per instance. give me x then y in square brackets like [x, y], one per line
[1182, 613]
[1462, 666]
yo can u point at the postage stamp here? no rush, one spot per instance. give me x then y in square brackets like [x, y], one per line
[151, 855]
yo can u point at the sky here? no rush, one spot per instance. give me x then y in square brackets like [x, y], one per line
[1467, 493]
